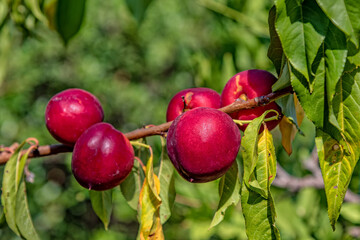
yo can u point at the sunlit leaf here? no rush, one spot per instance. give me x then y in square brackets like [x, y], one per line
[229, 188]
[301, 27]
[101, 202]
[250, 153]
[343, 15]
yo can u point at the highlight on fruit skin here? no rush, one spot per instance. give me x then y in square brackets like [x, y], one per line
[102, 157]
[247, 85]
[70, 112]
[191, 98]
[202, 144]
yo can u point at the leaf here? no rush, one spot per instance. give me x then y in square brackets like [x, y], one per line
[229, 188]
[266, 164]
[250, 155]
[345, 15]
[275, 51]
[22, 214]
[101, 202]
[131, 186]
[34, 6]
[9, 190]
[338, 157]
[149, 205]
[259, 214]
[301, 27]
[69, 17]
[167, 184]
[336, 168]
[138, 8]
[288, 131]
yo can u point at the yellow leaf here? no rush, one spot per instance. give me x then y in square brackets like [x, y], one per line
[288, 131]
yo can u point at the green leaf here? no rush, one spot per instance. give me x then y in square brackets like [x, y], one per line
[22, 214]
[301, 27]
[229, 189]
[266, 164]
[34, 6]
[345, 15]
[101, 202]
[69, 17]
[250, 155]
[9, 190]
[259, 214]
[167, 184]
[131, 186]
[138, 8]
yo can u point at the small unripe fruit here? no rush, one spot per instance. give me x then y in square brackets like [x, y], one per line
[202, 144]
[102, 158]
[192, 98]
[247, 85]
[69, 113]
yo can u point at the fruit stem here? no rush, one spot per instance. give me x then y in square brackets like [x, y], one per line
[141, 163]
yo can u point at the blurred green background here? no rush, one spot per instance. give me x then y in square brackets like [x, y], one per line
[134, 64]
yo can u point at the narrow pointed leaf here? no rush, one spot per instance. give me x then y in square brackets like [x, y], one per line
[229, 188]
[167, 184]
[101, 202]
[9, 190]
[69, 18]
[259, 214]
[342, 15]
[22, 214]
[275, 51]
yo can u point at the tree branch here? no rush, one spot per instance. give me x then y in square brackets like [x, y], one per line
[240, 104]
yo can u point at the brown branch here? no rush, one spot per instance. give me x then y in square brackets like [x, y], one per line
[47, 150]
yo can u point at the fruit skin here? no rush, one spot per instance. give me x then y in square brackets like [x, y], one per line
[246, 85]
[202, 144]
[70, 112]
[102, 158]
[193, 97]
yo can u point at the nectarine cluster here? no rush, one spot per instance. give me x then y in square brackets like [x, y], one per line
[202, 141]
[102, 157]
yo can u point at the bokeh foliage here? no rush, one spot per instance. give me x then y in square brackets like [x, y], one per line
[134, 61]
